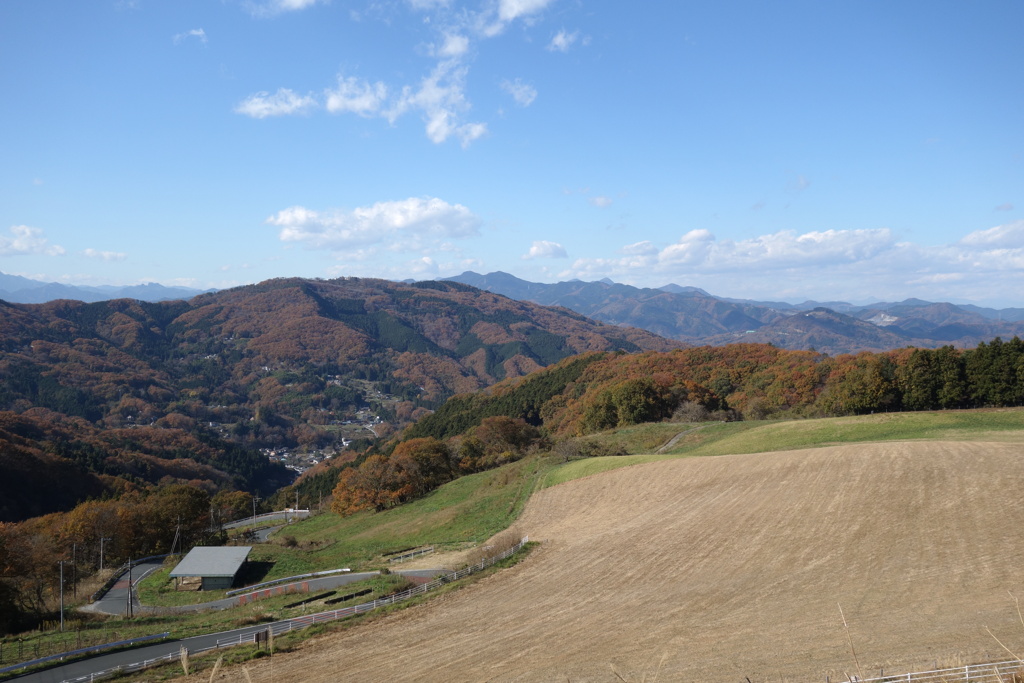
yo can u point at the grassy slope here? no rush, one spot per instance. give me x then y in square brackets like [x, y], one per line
[466, 511]
[761, 437]
[474, 508]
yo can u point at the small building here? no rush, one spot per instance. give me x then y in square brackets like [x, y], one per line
[215, 566]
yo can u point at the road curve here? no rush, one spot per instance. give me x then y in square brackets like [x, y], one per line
[118, 603]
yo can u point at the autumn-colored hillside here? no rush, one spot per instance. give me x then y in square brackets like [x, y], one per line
[283, 365]
[750, 381]
[599, 391]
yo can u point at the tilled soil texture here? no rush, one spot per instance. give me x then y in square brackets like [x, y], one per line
[718, 569]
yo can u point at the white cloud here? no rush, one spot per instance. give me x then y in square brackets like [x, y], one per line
[698, 251]
[28, 240]
[289, 5]
[413, 224]
[453, 45]
[563, 40]
[104, 255]
[852, 265]
[270, 8]
[1004, 207]
[937, 278]
[645, 248]
[601, 202]
[471, 132]
[441, 99]
[787, 249]
[545, 249]
[692, 248]
[356, 96]
[197, 33]
[440, 96]
[1009, 235]
[510, 10]
[523, 93]
[282, 103]
[428, 4]
[422, 267]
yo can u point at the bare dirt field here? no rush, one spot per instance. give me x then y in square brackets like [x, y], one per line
[717, 569]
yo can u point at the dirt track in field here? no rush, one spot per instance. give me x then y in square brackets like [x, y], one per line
[715, 569]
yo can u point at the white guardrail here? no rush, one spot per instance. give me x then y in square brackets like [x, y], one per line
[998, 672]
[409, 555]
[286, 625]
[288, 579]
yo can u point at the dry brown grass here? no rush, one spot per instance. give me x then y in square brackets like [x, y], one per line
[506, 540]
[724, 568]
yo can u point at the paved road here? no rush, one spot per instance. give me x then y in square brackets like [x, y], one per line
[93, 665]
[116, 602]
[286, 515]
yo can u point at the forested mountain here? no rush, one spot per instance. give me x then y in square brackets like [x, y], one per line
[152, 423]
[692, 315]
[156, 392]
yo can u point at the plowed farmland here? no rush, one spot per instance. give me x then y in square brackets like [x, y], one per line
[716, 569]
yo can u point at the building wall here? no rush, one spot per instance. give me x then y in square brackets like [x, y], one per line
[213, 583]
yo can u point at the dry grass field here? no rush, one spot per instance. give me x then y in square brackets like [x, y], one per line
[721, 568]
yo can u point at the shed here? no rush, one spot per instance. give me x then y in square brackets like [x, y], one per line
[216, 566]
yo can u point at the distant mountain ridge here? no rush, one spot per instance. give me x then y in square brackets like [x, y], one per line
[685, 313]
[22, 290]
[693, 315]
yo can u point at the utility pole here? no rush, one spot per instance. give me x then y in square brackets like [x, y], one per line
[61, 563]
[102, 539]
[254, 499]
[177, 535]
[128, 611]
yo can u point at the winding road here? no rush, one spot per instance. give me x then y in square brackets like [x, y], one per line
[116, 602]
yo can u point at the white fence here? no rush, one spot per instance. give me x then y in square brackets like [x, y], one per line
[288, 579]
[1000, 672]
[411, 554]
[279, 627]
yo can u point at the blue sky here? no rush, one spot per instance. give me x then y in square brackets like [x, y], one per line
[849, 150]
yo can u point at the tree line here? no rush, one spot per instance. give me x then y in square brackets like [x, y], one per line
[598, 391]
[108, 532]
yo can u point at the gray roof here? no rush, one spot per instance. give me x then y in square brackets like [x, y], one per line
[213, 561]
